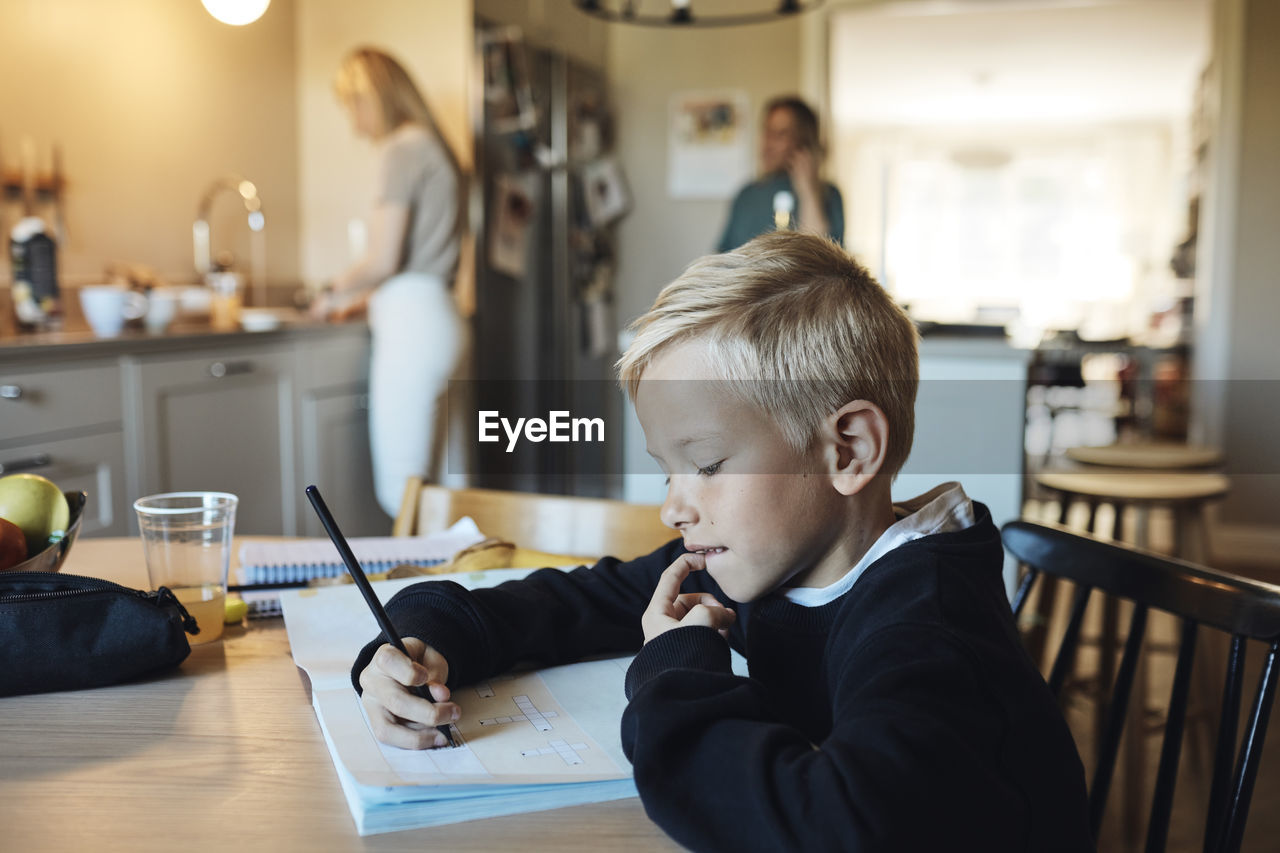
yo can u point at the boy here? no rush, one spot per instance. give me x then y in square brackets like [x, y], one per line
[890, 705]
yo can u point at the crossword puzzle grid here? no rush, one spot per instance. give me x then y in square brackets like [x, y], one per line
[540, 720]
[566, 750]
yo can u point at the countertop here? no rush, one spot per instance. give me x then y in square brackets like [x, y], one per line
[82, 343]
[961, 346]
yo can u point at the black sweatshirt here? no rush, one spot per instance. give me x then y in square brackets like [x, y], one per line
[905, 715]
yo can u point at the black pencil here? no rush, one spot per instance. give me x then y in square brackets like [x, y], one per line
[371, 598]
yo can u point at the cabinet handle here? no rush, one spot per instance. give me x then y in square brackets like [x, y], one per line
[10, 392]
[40, 460]
[220, 369]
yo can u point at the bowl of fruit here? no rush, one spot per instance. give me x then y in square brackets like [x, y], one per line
[38, 523]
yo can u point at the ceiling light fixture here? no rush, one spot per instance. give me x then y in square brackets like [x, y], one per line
[680, 13]
[237, 13]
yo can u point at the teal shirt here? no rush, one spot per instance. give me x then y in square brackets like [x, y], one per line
[752, 212]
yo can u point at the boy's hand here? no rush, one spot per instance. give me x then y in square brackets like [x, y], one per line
[670, 608]
[397, 716]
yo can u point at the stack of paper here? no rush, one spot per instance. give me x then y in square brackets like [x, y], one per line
[530, 741]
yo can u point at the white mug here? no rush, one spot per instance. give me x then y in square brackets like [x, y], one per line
[107, 306]
[162, 305]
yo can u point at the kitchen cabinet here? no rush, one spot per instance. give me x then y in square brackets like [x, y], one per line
[36, 400]
[64, 422]
[333, 438]
[259, 415]
[217, 420]
[93, 464]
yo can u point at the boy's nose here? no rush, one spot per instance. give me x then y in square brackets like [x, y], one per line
[677, 512]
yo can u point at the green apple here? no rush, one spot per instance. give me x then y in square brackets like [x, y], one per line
[37, 506]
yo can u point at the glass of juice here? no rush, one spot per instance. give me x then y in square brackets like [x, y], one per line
[186, 539]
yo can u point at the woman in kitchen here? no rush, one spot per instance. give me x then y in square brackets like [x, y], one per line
[405, 277]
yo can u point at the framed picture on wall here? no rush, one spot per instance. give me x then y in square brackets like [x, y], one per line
[708, 144]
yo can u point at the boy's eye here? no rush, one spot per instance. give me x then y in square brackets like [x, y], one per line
[708, 470]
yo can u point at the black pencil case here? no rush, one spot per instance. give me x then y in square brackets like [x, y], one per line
[66, 632]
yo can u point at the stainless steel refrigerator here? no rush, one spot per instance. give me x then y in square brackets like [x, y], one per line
[544, 328]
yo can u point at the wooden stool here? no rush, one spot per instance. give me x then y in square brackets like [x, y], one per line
[1147, 455]
[1140, 489]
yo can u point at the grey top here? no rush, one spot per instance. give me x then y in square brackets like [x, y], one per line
[416, 172]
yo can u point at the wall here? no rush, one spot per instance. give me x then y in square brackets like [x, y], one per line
[1237, 359]
[433, 38]
[151, 100]
[553, 24]
[647, 66]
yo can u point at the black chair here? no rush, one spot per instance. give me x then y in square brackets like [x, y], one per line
[1245, 609]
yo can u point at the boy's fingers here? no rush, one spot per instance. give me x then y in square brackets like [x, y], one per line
[415, 709]
[394, 732]
[384, 692]
[714, 616]
[391, 663]
[669, 581]
[689, 600]
[427, 665]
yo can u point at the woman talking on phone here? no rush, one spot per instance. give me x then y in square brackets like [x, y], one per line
[789, 194]
[406, 274]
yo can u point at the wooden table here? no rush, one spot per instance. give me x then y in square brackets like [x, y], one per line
[222, 754]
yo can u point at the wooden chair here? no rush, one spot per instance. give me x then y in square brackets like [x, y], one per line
[1244, 609]
[557, 524]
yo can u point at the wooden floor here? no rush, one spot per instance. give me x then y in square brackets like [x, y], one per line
[1192, 792]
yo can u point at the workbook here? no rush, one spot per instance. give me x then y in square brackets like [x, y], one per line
[528, 740]
[301, 560]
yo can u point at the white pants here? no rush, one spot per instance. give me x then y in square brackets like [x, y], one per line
[418, 346]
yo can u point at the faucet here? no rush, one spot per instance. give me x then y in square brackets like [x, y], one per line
[257, 223]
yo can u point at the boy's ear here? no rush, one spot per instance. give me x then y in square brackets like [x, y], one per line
[857, 437]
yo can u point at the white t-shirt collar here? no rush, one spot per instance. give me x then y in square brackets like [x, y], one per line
[942, 509]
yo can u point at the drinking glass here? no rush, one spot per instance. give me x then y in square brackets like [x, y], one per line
[186, 538]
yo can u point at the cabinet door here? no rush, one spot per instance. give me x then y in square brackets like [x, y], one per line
[78, 396]
[93, 464]
[220, 422]
[335, 450]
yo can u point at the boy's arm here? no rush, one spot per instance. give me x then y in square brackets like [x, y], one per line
[908, 763]
[547, 618]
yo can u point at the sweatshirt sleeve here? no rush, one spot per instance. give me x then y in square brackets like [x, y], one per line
[907, 765]
[548, 618]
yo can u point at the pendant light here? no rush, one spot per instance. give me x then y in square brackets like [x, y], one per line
[237, 13]
[681, 13]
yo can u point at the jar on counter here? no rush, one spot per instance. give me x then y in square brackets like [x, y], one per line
[34, 258]
[227, 301]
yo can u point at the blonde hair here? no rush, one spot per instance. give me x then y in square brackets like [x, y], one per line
[798, 327]
[372, 73]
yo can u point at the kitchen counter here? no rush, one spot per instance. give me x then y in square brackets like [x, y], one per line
[83, 343]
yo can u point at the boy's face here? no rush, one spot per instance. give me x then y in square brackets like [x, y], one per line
[763, 514]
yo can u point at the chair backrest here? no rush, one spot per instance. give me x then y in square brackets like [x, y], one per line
[1243, 608]
[558, 524]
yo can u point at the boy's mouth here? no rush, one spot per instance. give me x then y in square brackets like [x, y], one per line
[705, 550]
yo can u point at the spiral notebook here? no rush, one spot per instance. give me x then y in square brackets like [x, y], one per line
[300, 560]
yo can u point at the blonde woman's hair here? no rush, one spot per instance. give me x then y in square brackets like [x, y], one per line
[798, 328]
[373, 73]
